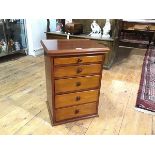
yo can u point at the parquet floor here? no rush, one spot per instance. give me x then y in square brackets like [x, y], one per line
[23, 99]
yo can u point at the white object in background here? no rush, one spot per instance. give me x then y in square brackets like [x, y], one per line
[96, 30]
[68, 21]
[35, 33]
[4, 46]
[68, 35]
[106, 29]
[140, 20]
[17, 46]
[53, 24]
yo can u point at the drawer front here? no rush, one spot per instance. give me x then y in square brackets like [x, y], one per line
[78, 60]
[76, 98]
[133, 26]
[77, 70]
[75, 111]
[152, 27]
[141, 27]
[75, 84]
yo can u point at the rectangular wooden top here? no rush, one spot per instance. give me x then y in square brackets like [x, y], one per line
[64, 47]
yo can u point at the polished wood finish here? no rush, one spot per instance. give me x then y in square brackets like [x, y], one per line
[76, 111]
[76, 98]
[73, 75]
[77, 84]
[78, 60]
[49, 83]
[69, 71]
[75, 47]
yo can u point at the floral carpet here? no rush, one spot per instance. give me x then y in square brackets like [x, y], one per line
[146, 93]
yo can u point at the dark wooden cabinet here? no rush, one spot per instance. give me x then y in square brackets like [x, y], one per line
[73, 78]
[74, 28]
[138, 33]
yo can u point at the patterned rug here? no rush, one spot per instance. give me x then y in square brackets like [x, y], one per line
[146, 93]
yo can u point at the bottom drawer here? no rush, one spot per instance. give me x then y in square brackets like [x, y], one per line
[76, 111]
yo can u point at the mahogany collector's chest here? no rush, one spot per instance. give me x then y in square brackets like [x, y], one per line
[73, 78]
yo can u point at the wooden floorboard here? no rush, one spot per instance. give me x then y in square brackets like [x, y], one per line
[153, 125]
[134, 122]
[23, 108]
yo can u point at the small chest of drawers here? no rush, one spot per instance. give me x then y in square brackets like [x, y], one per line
[73, 78]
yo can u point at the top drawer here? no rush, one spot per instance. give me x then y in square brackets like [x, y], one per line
[138, 26]
[144, 27]
[78, 60]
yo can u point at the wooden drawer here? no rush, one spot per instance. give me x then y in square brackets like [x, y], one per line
[75, 84]
[76, 111]
[78, 60]
[133, 26]
[69, 71]
[76, 98]
[152, 27]
[143, 27]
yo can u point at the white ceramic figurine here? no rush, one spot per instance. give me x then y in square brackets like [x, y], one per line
[106, 29]
[96, 30]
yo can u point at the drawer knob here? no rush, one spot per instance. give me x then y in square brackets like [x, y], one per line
[78, 84]
[78, 98]
[76, 111]
[79, 70]
[79, 60]
[147, 27]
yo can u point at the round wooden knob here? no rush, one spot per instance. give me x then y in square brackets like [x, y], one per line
[79, 60]
[76, 111]
[78, 98]
[78, 84]
[79, 70]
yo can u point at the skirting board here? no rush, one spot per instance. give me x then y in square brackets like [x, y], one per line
[39, 51]
[145, 111]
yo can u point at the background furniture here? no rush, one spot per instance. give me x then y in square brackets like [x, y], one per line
[73, 78]
[111, 43]
[136, 33]
[13, 36]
